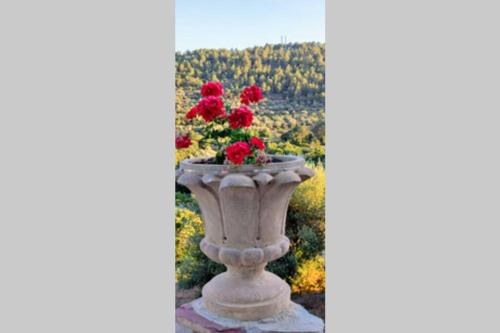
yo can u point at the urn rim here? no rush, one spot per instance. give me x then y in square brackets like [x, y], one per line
[288, 162]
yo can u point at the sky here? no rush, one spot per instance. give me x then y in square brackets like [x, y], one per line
[245, 23]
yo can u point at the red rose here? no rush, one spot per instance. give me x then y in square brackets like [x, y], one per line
[211, 107]
[257, 143]
[212, 89]
[237, 152]
[241, 117]
[183, 141]
[251, 94]
[193, 112]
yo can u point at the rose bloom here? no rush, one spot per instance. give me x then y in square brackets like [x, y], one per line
[251, 94]
[211, 107]
[241, 117]
[193, 112]
[257, 143]
[182, 141]
[237, 152]
[212, 89]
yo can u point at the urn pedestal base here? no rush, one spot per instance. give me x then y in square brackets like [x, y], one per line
[246, 293]
[195, 318]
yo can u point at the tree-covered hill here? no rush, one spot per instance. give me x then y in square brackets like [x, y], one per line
[291, 75]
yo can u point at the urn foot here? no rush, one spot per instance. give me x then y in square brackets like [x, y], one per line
[254, 297]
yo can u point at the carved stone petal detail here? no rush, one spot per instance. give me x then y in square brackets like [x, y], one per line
[210, 179]
[236, 180]
[239, 201]
[244, 257]
[263, 178]
[287, 177]
[190, 180]
[252, 257]
[274, 204]
[209, 205]
[305, 173]
[272, 252]
[285, 245]
[229, 256]
[210, 250]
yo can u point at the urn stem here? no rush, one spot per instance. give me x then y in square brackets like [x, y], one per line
[246, 272]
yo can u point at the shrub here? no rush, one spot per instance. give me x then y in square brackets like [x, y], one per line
[316, 153]
[185, 200]
[284, 148]
[310, 277]
[187, 224]
[298, 135]
[285, 267]
[192, 152]
[309, 243]
[195, 269]
[307, 205]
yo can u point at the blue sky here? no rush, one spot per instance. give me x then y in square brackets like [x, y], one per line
[245, 23]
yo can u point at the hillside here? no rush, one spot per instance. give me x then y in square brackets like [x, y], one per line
[291, 75]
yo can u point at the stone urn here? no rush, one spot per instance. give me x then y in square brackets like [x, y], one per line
[244, 213]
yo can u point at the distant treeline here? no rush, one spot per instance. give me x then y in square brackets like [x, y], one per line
[291, 75]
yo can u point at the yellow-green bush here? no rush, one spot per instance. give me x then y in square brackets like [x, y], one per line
[315, 152]
[187, 224]
[283, 148]
[310, 277]
[307, 205]
[309, 197]
[192, 152]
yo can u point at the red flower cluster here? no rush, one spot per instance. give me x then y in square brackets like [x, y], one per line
[237, 152]
[240, 117]
[257, 143]
[212, 89]
[210, 108]
[241, 145]
[192, 113]
[251, 94]
[182, 141]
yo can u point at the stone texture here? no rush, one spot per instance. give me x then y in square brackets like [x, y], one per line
[195, 318]
[244, 214]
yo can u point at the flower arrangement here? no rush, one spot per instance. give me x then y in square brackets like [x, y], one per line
[226, 128]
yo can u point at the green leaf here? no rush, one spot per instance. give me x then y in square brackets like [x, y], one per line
[220, 157]
[250, 160]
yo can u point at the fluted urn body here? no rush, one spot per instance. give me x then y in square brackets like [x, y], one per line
[244, 214]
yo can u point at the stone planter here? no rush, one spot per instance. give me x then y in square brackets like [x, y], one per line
[244, 213]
